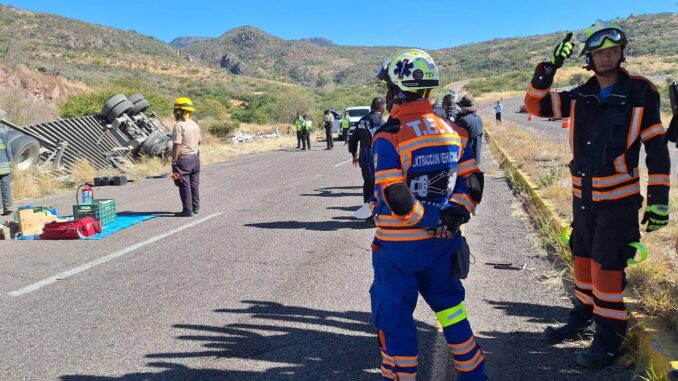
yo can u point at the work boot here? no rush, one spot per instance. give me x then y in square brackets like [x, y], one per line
[567, 332]
[596, 358]
[7, 212]
[184, 214]
[196, 210]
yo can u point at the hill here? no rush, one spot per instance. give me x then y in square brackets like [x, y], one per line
[251, 51]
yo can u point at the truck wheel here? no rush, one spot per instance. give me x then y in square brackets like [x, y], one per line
[26, 151]
[112, 102]
[139, 106]
[122, 108]
[154, 138]
[136, 97]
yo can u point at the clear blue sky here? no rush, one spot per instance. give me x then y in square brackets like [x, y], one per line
[432, 25]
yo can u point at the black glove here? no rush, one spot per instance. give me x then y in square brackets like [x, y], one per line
[672, 132]
[451, 219]
[562, 51]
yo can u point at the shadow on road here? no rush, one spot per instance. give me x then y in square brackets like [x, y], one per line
[329, 193]
[344, 208]
[338, 223]
[273, 341]
[521, 355]
[342, 187]
[291, 343]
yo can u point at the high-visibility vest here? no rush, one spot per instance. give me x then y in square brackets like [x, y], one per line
[297, 124]
[345, 122]
[308, 124]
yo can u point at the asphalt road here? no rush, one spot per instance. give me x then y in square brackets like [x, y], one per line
[269, 282]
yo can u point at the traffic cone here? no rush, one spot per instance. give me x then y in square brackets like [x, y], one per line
[529, 117]
[566, 122]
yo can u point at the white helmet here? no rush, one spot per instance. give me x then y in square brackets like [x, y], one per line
[410, 70]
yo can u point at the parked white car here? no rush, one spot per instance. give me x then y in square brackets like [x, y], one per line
[354, 115]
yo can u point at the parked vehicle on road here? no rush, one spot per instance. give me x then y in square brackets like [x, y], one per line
[354, 115]
[336, 125]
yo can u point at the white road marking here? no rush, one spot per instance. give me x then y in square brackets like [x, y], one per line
[104, 259]
[343, 162]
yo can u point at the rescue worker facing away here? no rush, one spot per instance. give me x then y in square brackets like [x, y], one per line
[612, 114]
[306, 129]
[185, 156]
[345, 126]
[364, 132]
[422, 197]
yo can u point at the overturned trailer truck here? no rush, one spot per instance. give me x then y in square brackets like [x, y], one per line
[120, 135]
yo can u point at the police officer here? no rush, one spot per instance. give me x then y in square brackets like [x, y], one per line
[422, 168]
[612, 114]
[364, 131]
[328, 120]
[306, 129]
[345, 126]
[297, 125]
[185, 156]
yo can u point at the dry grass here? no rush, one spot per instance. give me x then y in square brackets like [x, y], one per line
[214, 150]
[654, 282]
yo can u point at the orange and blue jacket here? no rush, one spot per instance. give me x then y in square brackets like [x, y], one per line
[429, 154]
[605, 136]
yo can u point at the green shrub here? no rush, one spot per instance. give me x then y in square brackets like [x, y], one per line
[90, 103]
[222, 129]
[210, 108]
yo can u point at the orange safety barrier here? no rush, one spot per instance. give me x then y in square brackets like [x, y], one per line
[566, 122]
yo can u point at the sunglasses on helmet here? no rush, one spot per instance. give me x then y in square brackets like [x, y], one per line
[382, 73]
[598, 38]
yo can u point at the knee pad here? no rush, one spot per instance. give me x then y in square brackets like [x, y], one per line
[399, 198]
[476, 184]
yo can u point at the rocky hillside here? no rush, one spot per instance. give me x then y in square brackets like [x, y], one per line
[182, 42]
[250, 51]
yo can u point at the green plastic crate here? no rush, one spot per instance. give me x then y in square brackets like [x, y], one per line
[100, 209]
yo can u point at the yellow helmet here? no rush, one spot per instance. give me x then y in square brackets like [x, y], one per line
[184, 103]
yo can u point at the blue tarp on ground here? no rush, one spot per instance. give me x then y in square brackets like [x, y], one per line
[122, 221]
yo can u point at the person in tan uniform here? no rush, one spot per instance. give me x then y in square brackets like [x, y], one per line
[185, 157]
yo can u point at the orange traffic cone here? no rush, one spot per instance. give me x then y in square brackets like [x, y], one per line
[529, 117]
[566, 122]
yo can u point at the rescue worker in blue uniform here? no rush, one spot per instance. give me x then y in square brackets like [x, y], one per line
[612, 115]
[423, 193]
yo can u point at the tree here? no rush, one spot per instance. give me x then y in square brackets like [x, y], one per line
[291, 101]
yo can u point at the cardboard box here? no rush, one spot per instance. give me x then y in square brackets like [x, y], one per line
[31, 223]
[9, 230]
